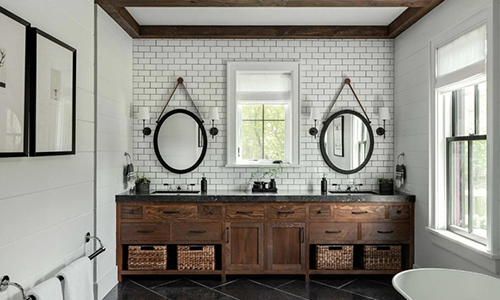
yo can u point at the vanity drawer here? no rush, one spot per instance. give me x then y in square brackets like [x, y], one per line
[170, 212]
[358, 212]
[210, 212]
[320, 212]
[144, 233]
[385, 232]
[131, 212]
[332, 232]
[286, 211]
[399, 212]
[194, 232]
[245, 212]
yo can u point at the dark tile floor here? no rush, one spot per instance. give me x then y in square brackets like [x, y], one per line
[246, 288]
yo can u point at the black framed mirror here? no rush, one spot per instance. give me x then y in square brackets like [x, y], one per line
[180, 141]
[346, 141]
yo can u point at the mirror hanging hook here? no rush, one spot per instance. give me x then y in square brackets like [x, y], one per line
[348, 82]
[180, 81]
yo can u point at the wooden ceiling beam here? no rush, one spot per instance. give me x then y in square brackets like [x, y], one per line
[263, 32]
[122, 17]
[409, 17]
[269, 3]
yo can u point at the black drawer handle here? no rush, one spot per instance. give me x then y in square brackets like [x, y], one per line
[168, 212]
[319, 212]
[211, 212]
[334, 231]
[399, 212]
[359, 212]
[286, 212]
[385, 232]
[197, 231]
[144, 231]
[131, 212]
[245, 212]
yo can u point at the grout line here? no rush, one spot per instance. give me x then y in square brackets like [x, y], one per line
[164, 297]
[285, 284]
[158, 285]
[213, 289]
[346, 291]
[347, 283]
[276, 289]
[386, 284]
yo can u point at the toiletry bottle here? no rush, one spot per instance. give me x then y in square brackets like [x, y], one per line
[204, 184]
[324, 184]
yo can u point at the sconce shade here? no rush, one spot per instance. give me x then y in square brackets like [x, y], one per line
[213, 113]
[384, 113]
[143, 113]
[316, 113]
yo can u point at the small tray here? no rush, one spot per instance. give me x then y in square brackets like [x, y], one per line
[271, 190]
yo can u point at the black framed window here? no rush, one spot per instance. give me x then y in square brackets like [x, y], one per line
[466, 148]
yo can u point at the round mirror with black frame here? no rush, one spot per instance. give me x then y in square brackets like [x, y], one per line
[346, 141]
[180, 141]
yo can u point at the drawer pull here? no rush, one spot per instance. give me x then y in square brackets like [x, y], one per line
[131, 212]
[168, 212]
[245, 212]
[211, 212]
[334, 231]
[319, 212]
[227, 234]
[144, 231]
[197, 231]
[385, 232]
[359, 212]
[286, 212]
[302, 234]
[399, 212]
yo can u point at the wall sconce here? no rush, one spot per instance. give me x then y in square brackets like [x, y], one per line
[213, 114]
[144, 115]
[315, 116]
[383, 114]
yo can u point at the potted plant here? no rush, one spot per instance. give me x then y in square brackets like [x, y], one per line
[142, 185]
[386, 186]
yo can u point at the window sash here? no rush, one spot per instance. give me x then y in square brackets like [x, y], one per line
[239, 125]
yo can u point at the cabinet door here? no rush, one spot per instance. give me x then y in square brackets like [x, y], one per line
[244, 246]
[286, 246]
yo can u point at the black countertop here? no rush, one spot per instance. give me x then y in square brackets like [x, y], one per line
[281, 196]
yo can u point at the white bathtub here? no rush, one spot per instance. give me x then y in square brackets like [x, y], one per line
[446, 284]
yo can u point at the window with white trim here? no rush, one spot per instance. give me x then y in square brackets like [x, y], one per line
[263, 113]
[461, 130]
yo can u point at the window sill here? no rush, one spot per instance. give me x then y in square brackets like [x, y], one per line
[463, 242]
[284, 165]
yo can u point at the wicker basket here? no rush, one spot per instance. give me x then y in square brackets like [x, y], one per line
[334, 257]
[147, 257]
[196, 257]
[382, 257]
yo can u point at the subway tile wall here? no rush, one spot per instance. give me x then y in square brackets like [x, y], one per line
[324, 65]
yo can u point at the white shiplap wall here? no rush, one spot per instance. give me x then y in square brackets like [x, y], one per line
[46, 203]
[114, 136]
[412, 108]
[324, 64]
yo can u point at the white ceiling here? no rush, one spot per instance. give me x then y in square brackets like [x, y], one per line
[259, 16]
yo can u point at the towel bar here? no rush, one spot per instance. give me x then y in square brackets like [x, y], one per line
[5, 283]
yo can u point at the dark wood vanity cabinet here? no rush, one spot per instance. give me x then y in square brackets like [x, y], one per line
[264, 238]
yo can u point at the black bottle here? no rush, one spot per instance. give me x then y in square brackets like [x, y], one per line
[324, 185]
[204, 184]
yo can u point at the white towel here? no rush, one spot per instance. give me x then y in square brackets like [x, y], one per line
[78, 280]
[48, 290]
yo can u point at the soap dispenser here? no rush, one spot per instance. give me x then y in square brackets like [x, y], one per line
[324, 184]
[204, 184]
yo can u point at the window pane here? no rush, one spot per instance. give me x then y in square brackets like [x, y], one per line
[464, 111]
[251, 140]
[458, 184]
[479, 168]
[274, 112]
[482, 108]
[251, 112]
[274, 140]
